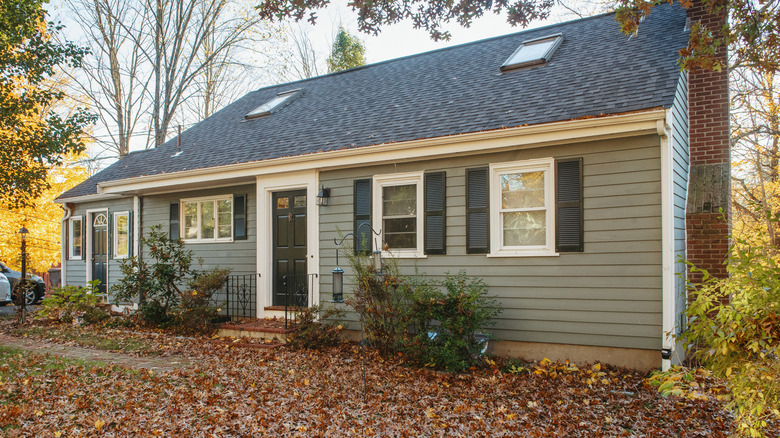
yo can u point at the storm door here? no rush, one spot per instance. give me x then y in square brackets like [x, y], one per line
[99, 249]
[289, 249]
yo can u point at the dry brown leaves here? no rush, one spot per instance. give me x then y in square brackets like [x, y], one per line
[234, 391]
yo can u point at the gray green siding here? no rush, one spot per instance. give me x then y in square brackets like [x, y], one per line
[680, 166]
[609, 295]
[239, 255]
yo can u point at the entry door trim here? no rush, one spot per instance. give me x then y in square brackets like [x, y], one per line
[88, 250]
[266, 186]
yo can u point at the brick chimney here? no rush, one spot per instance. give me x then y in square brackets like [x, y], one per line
[709, 187]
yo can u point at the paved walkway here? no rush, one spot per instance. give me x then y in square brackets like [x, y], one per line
[40, 347]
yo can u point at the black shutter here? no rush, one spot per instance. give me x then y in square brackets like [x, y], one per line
[130, 234]
[362, 215]
[239, 217]
[435, 213]
[174, 221]
[568, 205]
[84, 220]
[477, 211]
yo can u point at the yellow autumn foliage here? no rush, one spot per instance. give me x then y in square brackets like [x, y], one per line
[42, 220]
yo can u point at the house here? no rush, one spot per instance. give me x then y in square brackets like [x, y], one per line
[569, 166]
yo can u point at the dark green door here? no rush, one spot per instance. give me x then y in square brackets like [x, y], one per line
[289, 253]
[99, 249]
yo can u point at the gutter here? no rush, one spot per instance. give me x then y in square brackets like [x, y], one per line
[571, 131]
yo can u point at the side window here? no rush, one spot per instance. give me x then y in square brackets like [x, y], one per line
[76, 231]
[121, 234]
[205, 220]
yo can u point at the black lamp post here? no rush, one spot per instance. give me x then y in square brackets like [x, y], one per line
[22, 281]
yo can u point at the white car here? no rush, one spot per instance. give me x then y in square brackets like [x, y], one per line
[5, 290]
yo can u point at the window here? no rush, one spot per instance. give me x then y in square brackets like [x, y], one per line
[75, 230]
[533, 52]
[398, 214]
[522, 208]
[266, 108]
[207, 219]
[121, 235]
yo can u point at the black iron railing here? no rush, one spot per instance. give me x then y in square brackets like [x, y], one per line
[238, 299]
[297, 293]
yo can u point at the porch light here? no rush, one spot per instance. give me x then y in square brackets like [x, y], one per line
[376, 261]
[323, 197]
[338, 285]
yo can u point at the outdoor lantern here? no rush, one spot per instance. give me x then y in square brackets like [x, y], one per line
[23, 232]
[338, 285]
[376, 261]
[323, 197]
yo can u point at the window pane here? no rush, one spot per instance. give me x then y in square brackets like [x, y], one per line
[522, 190]
[191, 220]
[400, 233]
[299, 201]
[525, 228]
[225, 219]
[399, 200]
[122, 228]
[207, 220]
[76, 238]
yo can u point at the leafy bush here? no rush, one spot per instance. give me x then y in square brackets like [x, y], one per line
[159, 281]
[73, 303]
[197, 309]
[310, 334]
[380, 304]
[447, 321]
[733, 330]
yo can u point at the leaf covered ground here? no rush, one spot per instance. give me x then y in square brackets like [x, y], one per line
[237, 391]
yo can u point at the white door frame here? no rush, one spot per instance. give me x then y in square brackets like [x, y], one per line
[266, 186]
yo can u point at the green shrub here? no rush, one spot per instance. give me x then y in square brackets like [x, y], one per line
[197, 309]
[73, 303]
[153, 314]
[447, 321]
[311, 334]
[733, 330]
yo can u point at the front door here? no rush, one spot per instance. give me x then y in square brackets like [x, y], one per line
[99, 249]
[289, 253]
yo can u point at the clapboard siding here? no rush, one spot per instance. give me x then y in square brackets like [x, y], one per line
[240, 255]
[76, 270]
[609, 295]
[680, 166]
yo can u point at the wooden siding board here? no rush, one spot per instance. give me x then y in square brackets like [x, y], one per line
[593, 298]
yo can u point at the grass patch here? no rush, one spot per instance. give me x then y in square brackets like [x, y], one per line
[107, 340]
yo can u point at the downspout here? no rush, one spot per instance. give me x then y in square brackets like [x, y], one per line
[667, 243]
[68, 211]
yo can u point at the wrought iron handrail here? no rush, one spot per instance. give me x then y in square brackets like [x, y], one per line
[238, 299]
[297, 292]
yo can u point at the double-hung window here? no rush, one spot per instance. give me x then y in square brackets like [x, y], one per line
[207, 219]
[121, 234]
[75, 239]
[398, 213]
[522, 208]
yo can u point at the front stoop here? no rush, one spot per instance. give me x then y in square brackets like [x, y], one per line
[270, 329]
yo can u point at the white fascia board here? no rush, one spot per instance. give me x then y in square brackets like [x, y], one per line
[89, 198]
[572, 131]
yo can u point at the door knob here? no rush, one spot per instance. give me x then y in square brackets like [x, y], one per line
[93, 259]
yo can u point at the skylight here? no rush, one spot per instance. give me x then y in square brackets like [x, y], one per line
[266, 108]
[533, 52]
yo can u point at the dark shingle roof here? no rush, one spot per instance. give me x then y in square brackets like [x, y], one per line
[596, 70]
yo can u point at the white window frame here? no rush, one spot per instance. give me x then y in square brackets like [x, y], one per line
[497, 248]
[398, 179]
[70, 237]
[214, 199]
[115, 235]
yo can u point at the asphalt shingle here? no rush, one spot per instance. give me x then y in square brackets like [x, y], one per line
[596, 71]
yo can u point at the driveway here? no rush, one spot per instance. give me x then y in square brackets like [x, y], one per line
[11, 310]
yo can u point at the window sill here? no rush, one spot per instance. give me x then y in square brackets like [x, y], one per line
[75, 259]
[208, 241]
[523, 254]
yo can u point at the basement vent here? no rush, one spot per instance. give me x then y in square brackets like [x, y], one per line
[266, 108]
[533, 52]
